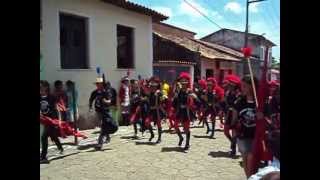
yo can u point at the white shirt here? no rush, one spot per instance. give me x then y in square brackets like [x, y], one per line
[274, 166]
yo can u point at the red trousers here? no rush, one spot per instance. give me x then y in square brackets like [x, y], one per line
[150, 119]
[184, 122]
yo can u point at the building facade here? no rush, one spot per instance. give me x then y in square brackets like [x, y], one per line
[77, 36]
[235, 40]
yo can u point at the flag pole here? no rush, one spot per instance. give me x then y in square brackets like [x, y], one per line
[75, 113]
[252, 82]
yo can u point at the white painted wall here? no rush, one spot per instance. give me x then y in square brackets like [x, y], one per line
[207, 64]
[103, 18]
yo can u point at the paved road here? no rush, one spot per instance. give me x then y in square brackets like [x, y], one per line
[126, 158]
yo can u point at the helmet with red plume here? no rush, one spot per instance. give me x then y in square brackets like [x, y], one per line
[211, 80]
[155, 82]
[185, 78]
[274, 83]
[202, 83]
[233, 79]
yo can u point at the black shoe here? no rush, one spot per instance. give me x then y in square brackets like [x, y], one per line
[208, 130]
[152, 136]
[187, 146]
[98, 147]
[232, 154]
[180, 141]
[61, 151]
[212, 136]
[44, 161]
[159, 135]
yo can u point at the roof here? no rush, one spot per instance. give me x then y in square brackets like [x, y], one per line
[169, 25]
[156, 16]
[195, 46]
[250, 34]
[223, 49]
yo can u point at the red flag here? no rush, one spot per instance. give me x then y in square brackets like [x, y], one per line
[64, 128]
[260, 152]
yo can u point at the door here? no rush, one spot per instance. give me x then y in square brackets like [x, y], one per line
[209, 73]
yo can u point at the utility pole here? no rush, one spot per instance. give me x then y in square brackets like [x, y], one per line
[245, 68]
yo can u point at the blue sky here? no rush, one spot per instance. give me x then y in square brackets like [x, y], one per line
[264, 17]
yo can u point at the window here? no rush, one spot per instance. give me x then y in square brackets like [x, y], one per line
[209, 73]
[125, 47]
[262, 49]
[73, 42]
[40, 14]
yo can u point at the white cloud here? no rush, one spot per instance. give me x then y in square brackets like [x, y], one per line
[216, 15]
[233, 7]
[164, 10]
[253, 7]
[185, 8]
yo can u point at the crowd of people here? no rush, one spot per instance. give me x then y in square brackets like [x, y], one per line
[145, 103]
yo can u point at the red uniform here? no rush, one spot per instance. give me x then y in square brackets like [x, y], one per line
[183, 104]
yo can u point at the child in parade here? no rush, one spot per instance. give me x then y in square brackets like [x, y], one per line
[124, 96]
[72, 95]
[232, 93]
[245, 113]
[183, 104]
[48, 108]
[155, 114]
[102, 98]
[211, 102]
[135, 105]
[200, 92]
[61, 100]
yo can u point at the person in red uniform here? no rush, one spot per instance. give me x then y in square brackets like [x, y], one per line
[183, 104]
[211, 99]
[246, 115]
[200, 105]
[232, 92]
[61, 98]
[155, 114]
[272, 116]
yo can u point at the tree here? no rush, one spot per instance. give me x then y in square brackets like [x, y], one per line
[275, 64]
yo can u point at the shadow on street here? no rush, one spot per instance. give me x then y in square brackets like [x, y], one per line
[146, 143]
[202, 136]
[69, 143]
[94, 150]
[199, 126]
[129, 137]
[168, 131]
[172, 149]
[87, 146]
[62, 156]
[218, 154]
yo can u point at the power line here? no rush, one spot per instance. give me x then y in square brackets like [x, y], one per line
[205, 16]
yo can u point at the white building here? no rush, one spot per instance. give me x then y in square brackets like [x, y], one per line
[77, 36]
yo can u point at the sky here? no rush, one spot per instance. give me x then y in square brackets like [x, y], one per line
[264, 17]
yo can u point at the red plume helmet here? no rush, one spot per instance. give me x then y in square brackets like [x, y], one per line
[202, 83]
[233, 79]
[274, 83]
[247, 51]
[154, 81]
[212, 80]
[185, 75]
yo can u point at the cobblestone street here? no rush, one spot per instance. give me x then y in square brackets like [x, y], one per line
[126, 158]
